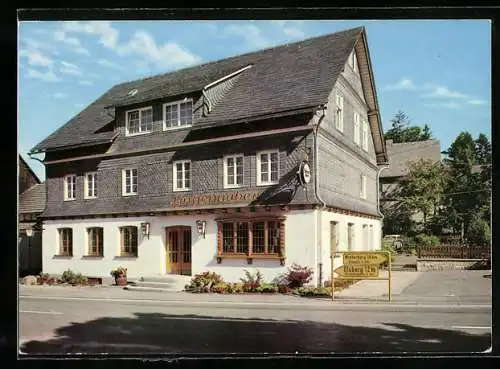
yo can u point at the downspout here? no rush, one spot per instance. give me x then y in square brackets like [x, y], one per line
[378, 197]
[318, 197]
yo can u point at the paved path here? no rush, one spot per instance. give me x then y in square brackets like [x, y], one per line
[50, 324]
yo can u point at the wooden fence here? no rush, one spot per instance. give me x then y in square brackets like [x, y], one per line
[454, 252]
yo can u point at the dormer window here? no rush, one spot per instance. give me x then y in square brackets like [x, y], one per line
[178, 114]
[139, 121]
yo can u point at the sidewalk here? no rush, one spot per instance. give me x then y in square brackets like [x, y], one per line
[369, 289]
[362, 292]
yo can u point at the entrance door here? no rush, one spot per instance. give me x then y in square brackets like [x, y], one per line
[178, 250]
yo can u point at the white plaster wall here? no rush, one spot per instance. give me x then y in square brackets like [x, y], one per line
[358, 244]
[299, 239]
[147, 262]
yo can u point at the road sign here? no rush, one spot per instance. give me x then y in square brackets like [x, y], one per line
[360, 257]
[362, 265]
[359, 271]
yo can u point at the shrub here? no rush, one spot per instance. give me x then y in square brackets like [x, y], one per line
[118, 272]
[237, 287]
[43, 278]
[479, 232]
[298, 275]
[221, 287]
[427, 240]
[283, 288]
[204, 282]
[269, 288]
[251, 283]
[315, 291]
[70, 277]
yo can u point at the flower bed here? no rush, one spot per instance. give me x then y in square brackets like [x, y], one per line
[291, 282]
[67, 278]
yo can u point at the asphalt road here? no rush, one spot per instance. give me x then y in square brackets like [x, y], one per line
[49, 325]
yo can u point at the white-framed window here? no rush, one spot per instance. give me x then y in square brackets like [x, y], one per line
[362, 191]
[90, 185]
[139, 121]
[356, 128]
[365, 135]
[267, 167]
[339, 112]
[129, 182]
[178, 114]
[69, 187]
[233, 171]
[182, 175]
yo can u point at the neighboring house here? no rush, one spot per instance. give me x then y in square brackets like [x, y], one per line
[400, 154]
[31, 205]
[205, 168]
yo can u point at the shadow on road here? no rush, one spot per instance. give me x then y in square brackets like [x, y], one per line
[173, 334]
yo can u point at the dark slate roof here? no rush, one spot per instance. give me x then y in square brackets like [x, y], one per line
[22, 162]
[401, 153]
[282, 78]
[33, 199]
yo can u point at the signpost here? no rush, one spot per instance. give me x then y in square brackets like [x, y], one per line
[362, 265]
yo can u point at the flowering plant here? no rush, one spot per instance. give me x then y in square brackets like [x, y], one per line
[120, 271]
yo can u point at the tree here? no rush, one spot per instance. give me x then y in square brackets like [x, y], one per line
[401, 131]
[400, 122]
[469, 191]
[422, 189]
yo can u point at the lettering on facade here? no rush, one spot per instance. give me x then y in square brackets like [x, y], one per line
[214, 199]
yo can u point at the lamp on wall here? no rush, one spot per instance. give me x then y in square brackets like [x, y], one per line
[201, 225]
[145, 228]
[29, 232]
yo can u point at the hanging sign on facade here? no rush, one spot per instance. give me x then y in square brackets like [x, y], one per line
[304, 173]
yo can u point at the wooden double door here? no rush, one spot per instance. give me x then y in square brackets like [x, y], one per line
[178, 247]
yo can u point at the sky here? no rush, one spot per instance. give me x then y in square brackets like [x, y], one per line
[437, 72]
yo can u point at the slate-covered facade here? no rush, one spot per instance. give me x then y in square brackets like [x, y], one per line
[251, 162]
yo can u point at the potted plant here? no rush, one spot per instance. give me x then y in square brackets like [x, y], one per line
[120, 275]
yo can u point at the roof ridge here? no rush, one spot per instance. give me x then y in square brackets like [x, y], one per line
[159, 75]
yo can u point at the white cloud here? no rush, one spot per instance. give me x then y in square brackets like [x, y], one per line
[47, 76]
[168, 55]
[477, 102]
[440, 92]
[250, 33]
[36, 58]
[59, 95]
[110, 64]
[69, 68]
[108, 36]
[31, 44]
[294, 32]
[81, 50]
[404, 84]
[448, 104]
[86, 83]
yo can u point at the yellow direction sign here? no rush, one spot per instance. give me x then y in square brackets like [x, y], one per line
[358, 271]
[362, 258]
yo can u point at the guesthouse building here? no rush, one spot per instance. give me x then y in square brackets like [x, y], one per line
[253, 162]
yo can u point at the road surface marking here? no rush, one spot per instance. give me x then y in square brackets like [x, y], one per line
[40, 312]
[469, 327]
[318, 304]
